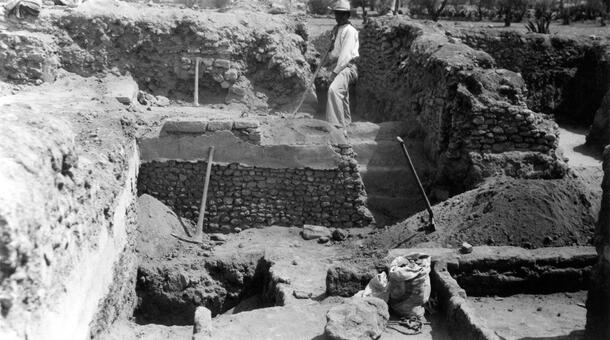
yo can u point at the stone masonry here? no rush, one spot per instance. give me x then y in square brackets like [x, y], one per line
[258, 60]
[463, 104]
[565, 76]
[320, 185]
[243, 196]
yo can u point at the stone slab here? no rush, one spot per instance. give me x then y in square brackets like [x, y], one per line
[123, 89]
[185, 126]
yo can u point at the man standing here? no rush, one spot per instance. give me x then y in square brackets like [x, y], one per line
[343, 56]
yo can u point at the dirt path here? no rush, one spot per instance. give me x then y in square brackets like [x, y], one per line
[572, 142]
[557, 316]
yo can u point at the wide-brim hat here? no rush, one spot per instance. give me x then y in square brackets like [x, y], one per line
[341, 6]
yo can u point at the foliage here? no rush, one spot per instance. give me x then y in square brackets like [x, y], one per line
[513, 10]
[433, 8]
[384, 6]
[542, 17]
[319, 6]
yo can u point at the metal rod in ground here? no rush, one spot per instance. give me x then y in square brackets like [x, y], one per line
[204, 198]
[421, 188]
[308, 86]
[196, 90]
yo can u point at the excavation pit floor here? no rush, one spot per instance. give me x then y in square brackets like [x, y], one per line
[534, 316]
[296, 280]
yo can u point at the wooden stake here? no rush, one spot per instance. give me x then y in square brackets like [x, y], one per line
[204, 198]
[196, 93]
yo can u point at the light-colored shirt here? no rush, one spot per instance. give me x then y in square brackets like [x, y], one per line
[346, 47]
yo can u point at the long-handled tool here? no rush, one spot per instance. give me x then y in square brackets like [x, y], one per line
[313, 78]
[431, 224]
[197, 238]
[204, 198]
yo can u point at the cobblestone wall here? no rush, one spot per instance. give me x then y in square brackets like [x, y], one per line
[565, 76]
[462, 103]
[246, 196]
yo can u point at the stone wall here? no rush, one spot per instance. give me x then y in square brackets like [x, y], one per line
[565, 76]
[256, 59]
[464, 104]
[245, 197]
[256, 179]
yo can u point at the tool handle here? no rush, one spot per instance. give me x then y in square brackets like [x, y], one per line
[313, 78]
[421, 188]
[204, 198]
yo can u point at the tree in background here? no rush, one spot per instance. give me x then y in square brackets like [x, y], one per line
[433, 7]
[600, 6]
[513, 10]
[484, 4]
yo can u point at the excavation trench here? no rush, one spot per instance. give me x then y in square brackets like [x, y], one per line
[261, 176]
[169, 294]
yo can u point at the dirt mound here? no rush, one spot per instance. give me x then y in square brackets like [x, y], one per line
[505, 211]
[175, 277]
[156, 223]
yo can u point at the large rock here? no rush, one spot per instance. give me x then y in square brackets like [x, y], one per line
[312, 232]
[123, 89]
[202, 329]
[346, 280]
[360, 318]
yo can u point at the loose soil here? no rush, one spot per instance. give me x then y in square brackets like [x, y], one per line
[522, 316]
[506, 211]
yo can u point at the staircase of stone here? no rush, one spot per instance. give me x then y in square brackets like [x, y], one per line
[391, 188]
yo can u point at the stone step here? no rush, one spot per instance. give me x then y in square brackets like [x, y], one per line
[388, 181]
[391, 210]
[388, 153]
[366, 131]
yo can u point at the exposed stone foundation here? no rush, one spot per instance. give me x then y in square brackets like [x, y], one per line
[463, 104]
[564, 76]
[257, 60]
[245, 197]
[261, 174]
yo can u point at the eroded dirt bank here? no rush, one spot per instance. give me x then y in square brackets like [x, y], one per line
[68, 209]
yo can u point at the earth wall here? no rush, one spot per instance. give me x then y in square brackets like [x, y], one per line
[68, 265]
[257, 59]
